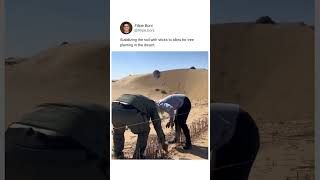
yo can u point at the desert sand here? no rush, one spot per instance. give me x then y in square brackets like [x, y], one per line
[192, 82]
[75, 72]
[269, 70]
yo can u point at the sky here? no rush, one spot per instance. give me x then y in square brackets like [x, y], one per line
[224, 11]
[34, 25]
[126, 63]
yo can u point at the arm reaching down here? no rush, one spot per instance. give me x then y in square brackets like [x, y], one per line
[169, 109]
[156, 121]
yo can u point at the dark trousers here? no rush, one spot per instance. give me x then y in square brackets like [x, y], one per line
[122, 116]
[181, 120]
[234, 160]
[119, 140]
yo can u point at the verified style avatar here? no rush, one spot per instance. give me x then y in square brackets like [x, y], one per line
[126, 27]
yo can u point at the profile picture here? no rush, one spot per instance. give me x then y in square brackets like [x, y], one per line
[126, 27]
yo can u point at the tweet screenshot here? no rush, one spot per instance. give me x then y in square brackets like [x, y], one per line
[159, 89]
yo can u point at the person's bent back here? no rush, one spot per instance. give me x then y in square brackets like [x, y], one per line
[134, 111]
[234, 142]
[59, 141]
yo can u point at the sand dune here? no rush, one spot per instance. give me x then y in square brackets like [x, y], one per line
[269, 70]
[193, 83]
[72, 73]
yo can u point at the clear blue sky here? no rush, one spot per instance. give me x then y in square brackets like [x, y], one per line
[33, 25]
[125, 63]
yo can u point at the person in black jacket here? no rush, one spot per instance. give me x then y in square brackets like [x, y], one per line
[234, 140]
[59, 141]
[135, 112]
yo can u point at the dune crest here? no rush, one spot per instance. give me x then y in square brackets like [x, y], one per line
[73, 73]
[193, 83]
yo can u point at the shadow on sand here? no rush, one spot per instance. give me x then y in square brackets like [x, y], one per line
[199, 151]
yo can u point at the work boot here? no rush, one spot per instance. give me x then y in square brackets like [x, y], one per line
[118, 155]
[139, 156]
[187, 146]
